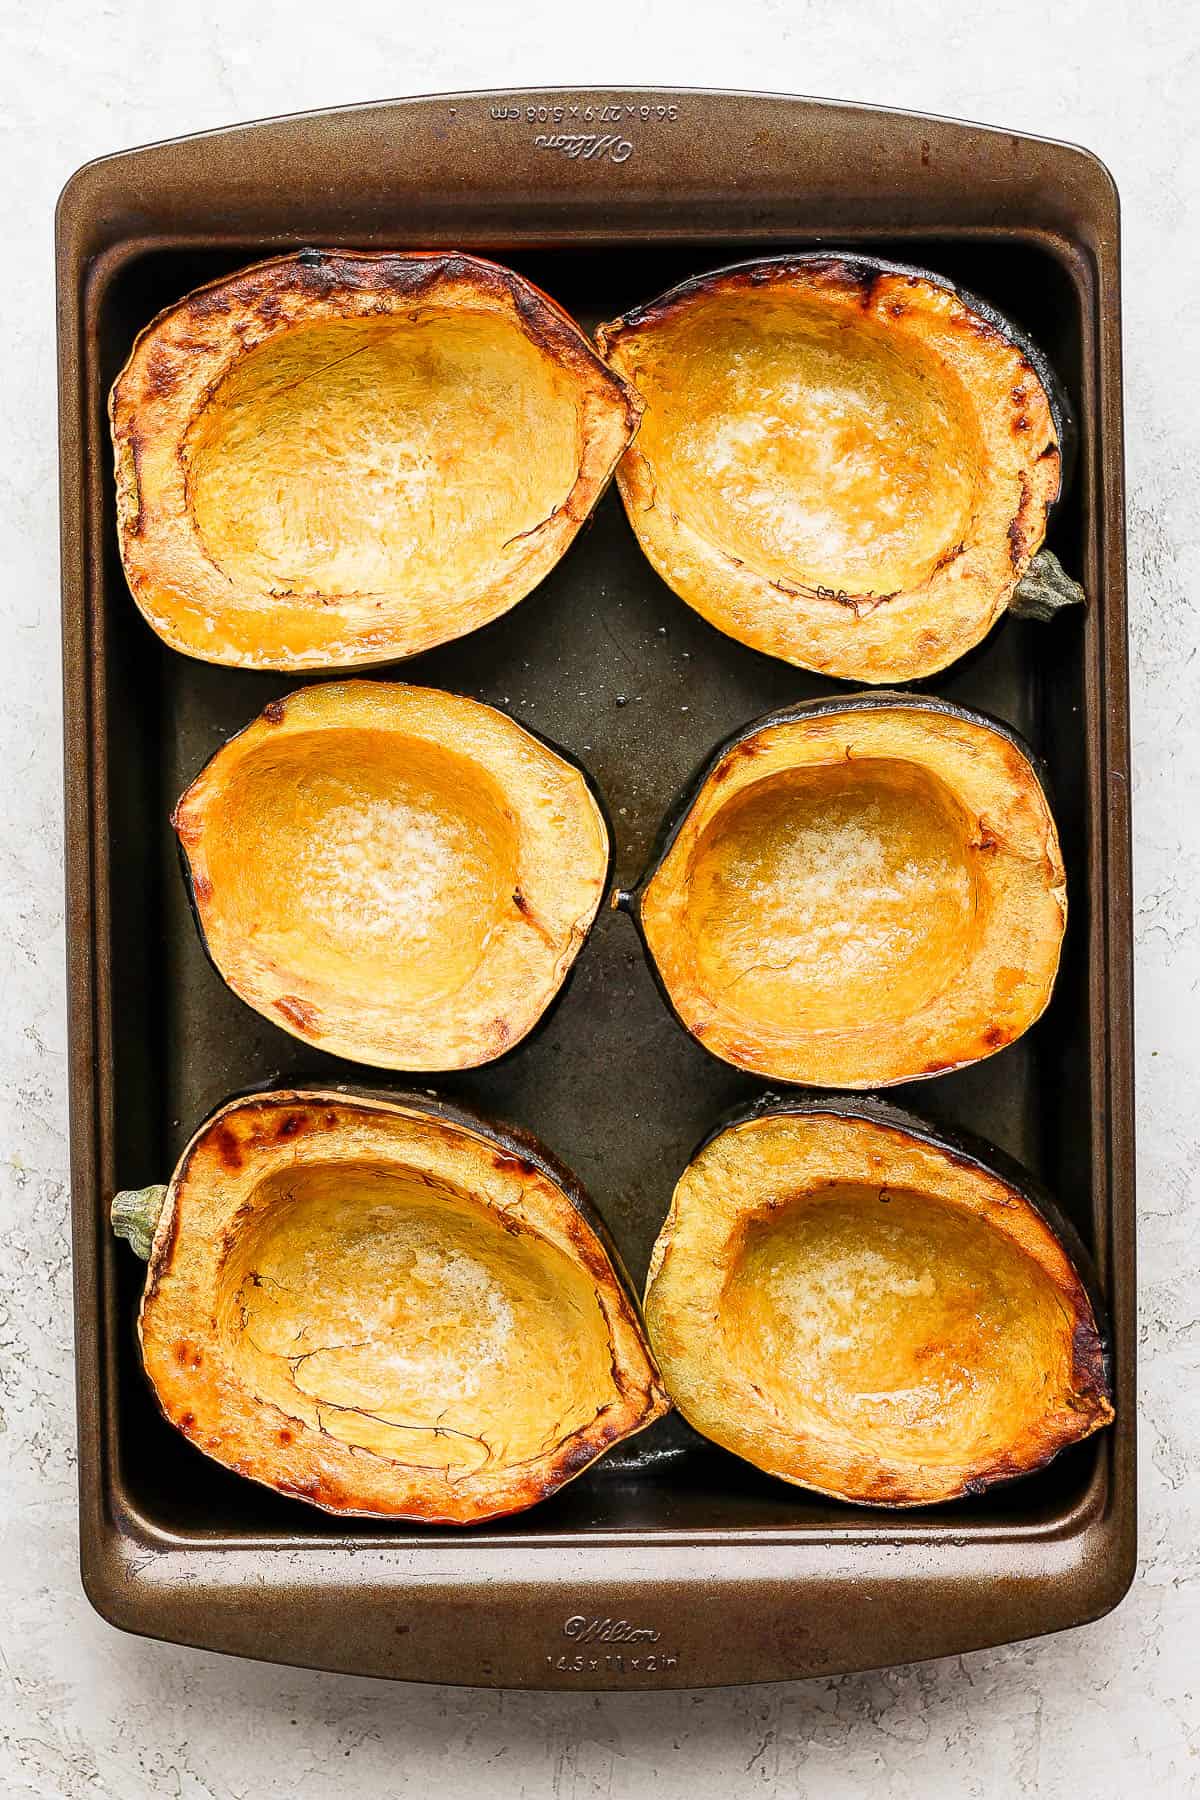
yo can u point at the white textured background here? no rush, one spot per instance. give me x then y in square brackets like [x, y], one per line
[1107, 1711]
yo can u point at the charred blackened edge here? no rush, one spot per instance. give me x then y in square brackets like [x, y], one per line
[1091, 1350]
[863, 271]
[322, 275]
[273, 713]
[280, 295]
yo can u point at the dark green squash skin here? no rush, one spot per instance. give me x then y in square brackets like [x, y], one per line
[629, 900]
[970, 1153]
[552, 1005]
[864, 269]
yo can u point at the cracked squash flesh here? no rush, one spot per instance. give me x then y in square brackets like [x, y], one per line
[337, 459]
[860, 892]
[385, 1306]
[841, 462]
[861, 1308]
[394, 874]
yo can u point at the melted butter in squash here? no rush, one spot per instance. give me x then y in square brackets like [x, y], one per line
[397, 875]
[352, 457]
[399, 1316]
[817, 453]
[834, 894]
[892, 1316]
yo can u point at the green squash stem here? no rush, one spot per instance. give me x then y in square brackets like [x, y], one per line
[135, 1215]
[1045, 589]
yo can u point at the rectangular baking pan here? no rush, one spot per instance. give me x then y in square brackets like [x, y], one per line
[670, 1564]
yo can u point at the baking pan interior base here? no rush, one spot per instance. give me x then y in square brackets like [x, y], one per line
[603, 659]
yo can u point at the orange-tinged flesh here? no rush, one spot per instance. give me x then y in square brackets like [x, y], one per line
[895, 1317]
[390, 860]
[395, 874]
[840, 464]
[397, 1314]
[834, 457]
[858, 1308]
[353, 457]
[379, 1305]
[860, 895]
[337, 460]
[834, 894]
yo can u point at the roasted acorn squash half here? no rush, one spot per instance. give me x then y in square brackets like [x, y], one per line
[843, 462]
[394, 874]
[864, 1306]
[858, 892]
[337, 459]
[385, 1305]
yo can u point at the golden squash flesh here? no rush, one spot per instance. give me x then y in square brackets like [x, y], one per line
[394, 874]
[841, 462]
[383, 1305]
[860, 892]
[859, 1307]
[333, 460]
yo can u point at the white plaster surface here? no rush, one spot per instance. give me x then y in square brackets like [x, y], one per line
[1110, 1710]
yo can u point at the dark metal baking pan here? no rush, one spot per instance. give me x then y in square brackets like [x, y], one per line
[670, 1564]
